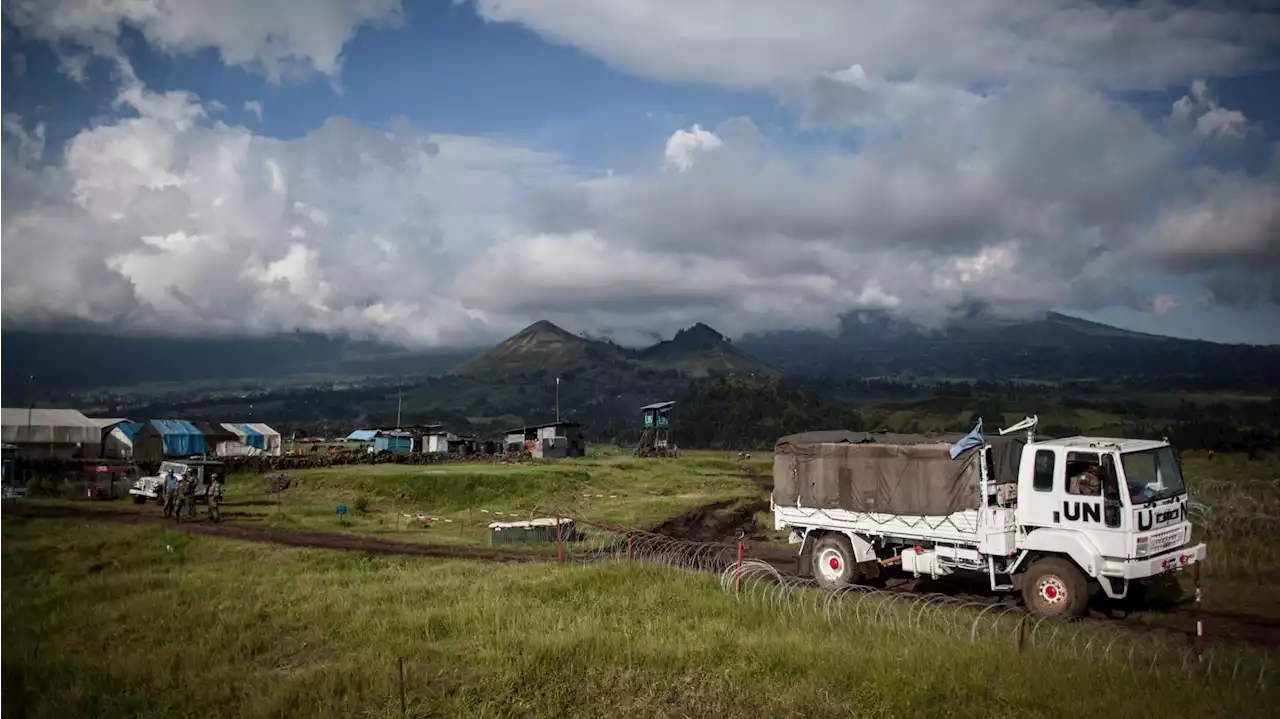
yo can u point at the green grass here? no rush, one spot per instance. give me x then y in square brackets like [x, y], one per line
[107, 620]
[607, 486]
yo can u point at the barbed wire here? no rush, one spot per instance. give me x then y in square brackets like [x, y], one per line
[931, 616]
[942, 617]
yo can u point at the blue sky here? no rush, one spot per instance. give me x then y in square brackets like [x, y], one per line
[753, 173]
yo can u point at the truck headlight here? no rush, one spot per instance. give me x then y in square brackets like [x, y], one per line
[1143, 546]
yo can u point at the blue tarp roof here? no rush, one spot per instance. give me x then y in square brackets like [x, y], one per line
[179, 437]
[128, 429]
[363, 435]
[252, 437]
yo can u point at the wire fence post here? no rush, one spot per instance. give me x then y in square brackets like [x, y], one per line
[559, 543]
[737, 580]
[404, 711]
[628, 547]
[1199, 622]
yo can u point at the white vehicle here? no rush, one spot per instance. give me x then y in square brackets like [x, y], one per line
[152, 488]
[1057, 519]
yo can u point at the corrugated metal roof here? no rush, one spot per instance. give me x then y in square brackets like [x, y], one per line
[363, 435]
[658, 405]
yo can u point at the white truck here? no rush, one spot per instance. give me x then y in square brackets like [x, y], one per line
[201, 470]
[1056, 519]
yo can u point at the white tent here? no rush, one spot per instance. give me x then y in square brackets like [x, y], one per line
[61, 432]
[253, 438]
[116, 441]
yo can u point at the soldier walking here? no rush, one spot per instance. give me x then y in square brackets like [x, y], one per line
[191, 495]
[169, 493]
[214, 498]
[182, 496]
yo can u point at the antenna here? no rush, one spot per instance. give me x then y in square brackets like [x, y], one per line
[1028, 424]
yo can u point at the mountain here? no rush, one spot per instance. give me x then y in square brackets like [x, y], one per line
[545, 349]
[65, 361]
[982, 346]
[700, 351]
[542, 348]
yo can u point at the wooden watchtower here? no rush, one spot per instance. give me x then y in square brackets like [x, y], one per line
[655, 441]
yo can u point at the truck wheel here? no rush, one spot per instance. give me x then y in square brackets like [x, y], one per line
[1054, 587]
[138, 499]
[833, 564]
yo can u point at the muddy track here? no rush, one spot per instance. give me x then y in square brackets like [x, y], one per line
[292, 538]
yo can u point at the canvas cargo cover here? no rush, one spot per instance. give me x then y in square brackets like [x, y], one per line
[919, 479]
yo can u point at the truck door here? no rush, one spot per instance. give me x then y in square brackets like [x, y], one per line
[1040, 487]
[1090, 501]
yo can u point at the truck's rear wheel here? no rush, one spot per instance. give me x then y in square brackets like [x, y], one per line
[833, 564]
[1054, 587]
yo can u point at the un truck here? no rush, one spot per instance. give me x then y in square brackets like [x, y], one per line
[1056, 519]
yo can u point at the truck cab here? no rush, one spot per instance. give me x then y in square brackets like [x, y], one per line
[1117, 508]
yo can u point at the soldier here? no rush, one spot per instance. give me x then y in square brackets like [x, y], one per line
[169, 493]
[214, 497]
[190, 495]
[180, 498]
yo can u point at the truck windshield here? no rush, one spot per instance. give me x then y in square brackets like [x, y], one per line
[1152, 475]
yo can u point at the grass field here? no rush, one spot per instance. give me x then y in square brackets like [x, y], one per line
[103, 620]
[109, 620]
[461, 498]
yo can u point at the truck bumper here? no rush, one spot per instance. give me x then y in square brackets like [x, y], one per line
[1160, 564]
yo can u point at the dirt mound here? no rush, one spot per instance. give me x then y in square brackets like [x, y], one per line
[714, 522]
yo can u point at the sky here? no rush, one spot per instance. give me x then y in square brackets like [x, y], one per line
[444, 173]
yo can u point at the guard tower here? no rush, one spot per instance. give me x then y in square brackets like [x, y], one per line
[656, 439]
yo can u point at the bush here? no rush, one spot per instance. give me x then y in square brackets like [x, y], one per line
[361, 504]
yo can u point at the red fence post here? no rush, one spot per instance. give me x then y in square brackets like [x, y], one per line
[737, 581]
[559, 543]
[628, 547]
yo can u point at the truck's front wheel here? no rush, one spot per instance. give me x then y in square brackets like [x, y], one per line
[833, 564]
[138, 499]
[1053, 587]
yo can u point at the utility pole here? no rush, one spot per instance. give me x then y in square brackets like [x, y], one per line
[31, 405]
[399, 403]
[557, 399]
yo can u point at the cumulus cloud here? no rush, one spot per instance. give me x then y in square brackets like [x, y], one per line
[1022, 195]
[168, 220]
[277, 37]
[684, 145]
[254, 107]
[756, 44]
[1200, 112]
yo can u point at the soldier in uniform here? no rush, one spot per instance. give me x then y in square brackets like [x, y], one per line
[214, 497]
[182, 496]
[169, 493]
[190, 495]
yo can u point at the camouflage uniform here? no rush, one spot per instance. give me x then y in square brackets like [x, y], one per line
[190, 497]
[183, 497]
[214, 497]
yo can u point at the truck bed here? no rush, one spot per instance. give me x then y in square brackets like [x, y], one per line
[958, 527]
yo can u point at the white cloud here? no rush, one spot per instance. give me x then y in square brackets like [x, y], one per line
[277, 37]
[758, 44]
[1199, 111]
[1162, 303]
[684, 145]
[1026, 194]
